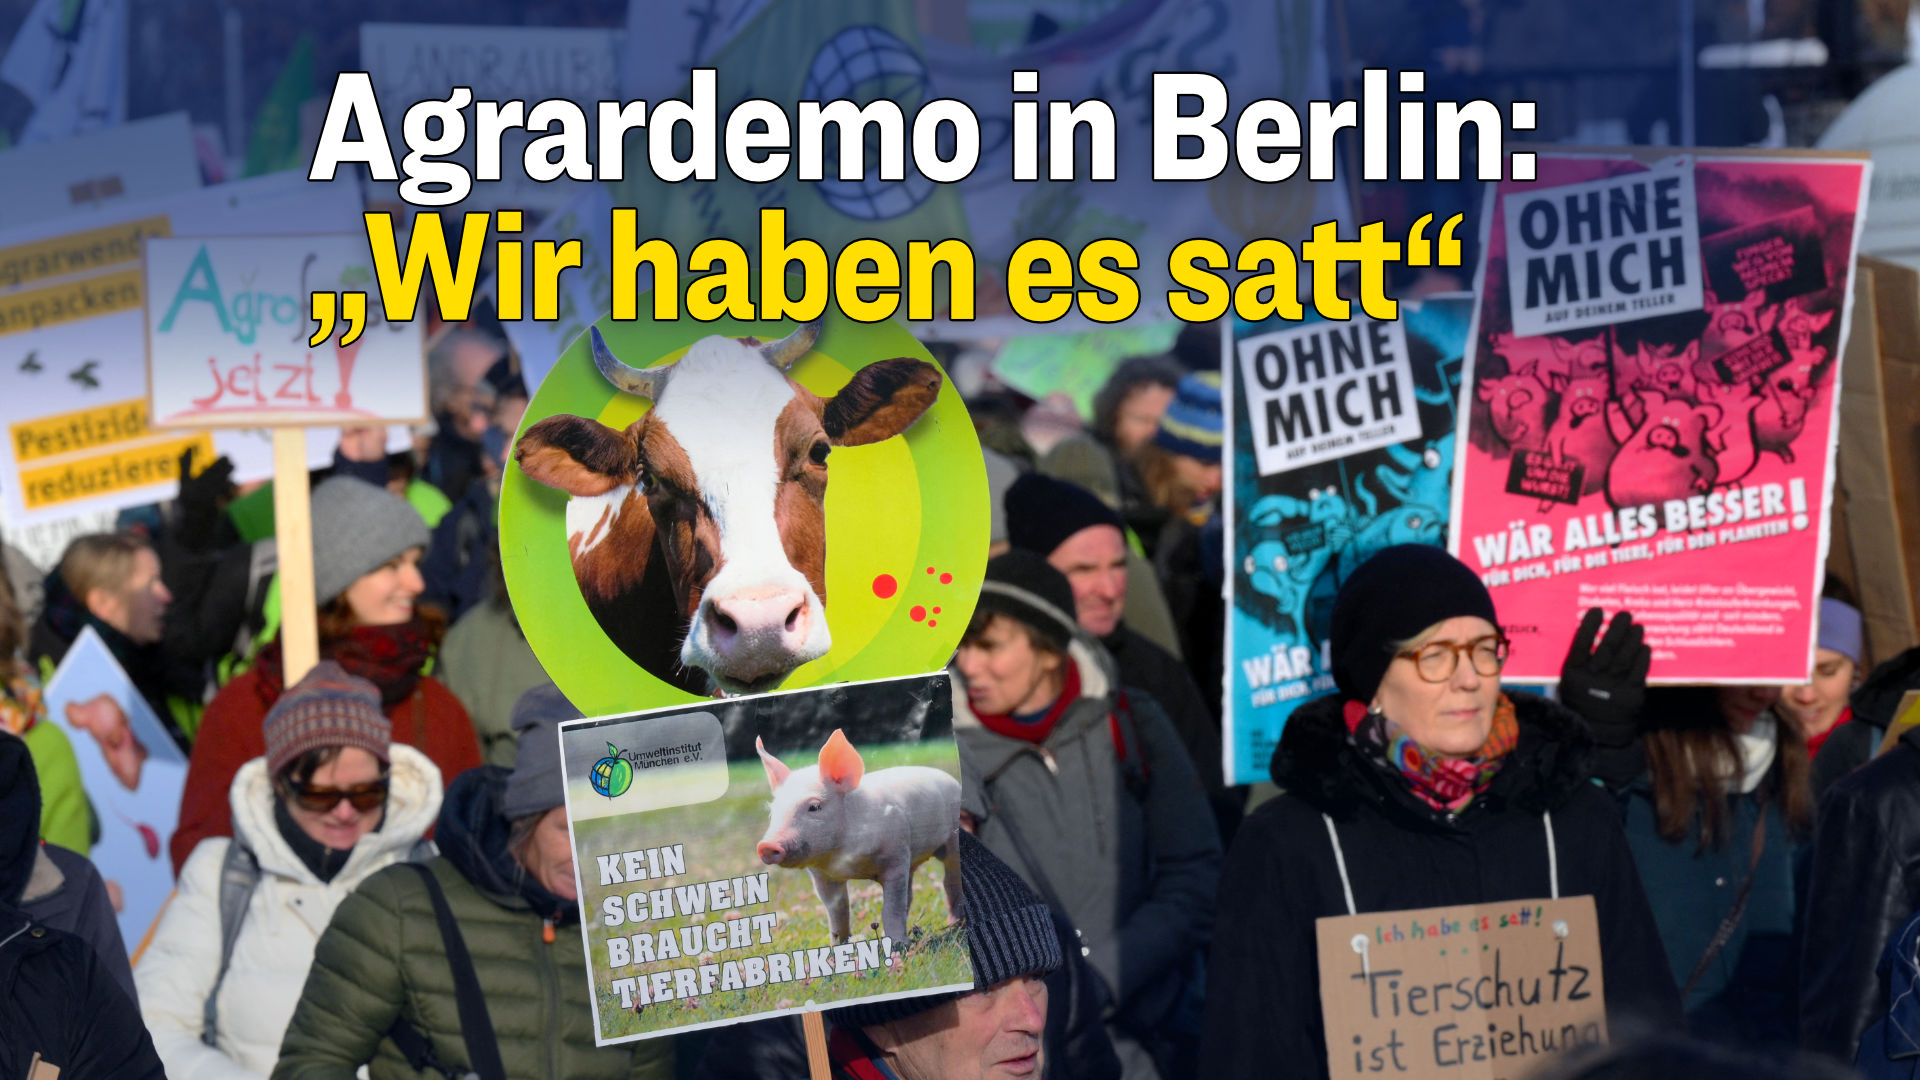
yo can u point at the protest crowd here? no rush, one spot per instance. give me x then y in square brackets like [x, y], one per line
[372, 869]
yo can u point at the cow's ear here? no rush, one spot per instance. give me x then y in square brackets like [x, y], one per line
[577, 455]
[840, 763]
[776, 769]
[881, 400]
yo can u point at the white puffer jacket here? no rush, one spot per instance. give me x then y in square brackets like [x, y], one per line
[289, 909]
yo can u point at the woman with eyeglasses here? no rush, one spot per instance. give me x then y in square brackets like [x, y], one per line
[332, 801]
[1421, 783]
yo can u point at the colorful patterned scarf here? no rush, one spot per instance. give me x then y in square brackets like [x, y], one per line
[1443, 783]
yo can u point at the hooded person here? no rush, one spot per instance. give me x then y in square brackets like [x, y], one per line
[1087, 793]
[331, 801]
[1084, 539]
[367, 544]
[382, 992]
[51, 885]
[1419, 784]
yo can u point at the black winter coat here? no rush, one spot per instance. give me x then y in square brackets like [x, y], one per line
[58, 1001]
[1864, 886]
[1075, 1043]
[1874, 704]
[1263, 997]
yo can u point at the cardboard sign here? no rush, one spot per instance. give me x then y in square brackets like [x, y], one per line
[1701, 431]
[875, 538]
[227, 321]
[131, 768]
[1296, 532]
[132, 162]
[1482, 991]
[704, 904]
[1905, 718]
[1879, 473]
[73, 385]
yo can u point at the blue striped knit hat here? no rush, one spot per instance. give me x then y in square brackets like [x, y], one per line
[1010, 933]
[1192, 425]
[328, 707]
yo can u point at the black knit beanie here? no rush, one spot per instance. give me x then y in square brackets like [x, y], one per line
[1009, 934]
[1023, 585]
[1394, 595]
[1042, 512]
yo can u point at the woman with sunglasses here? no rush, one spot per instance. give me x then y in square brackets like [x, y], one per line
[1419, 784]
[332, 801]
[367, 546]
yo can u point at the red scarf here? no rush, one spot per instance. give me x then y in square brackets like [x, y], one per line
[389, 657]
[1814, 742]
[1036, 732]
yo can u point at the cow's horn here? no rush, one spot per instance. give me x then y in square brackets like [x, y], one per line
[646, 382]
[783, 353]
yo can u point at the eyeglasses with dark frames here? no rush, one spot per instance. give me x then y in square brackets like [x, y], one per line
[1436, 661]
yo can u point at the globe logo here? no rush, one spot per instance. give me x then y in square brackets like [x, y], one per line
[865, 64]
[613, 774]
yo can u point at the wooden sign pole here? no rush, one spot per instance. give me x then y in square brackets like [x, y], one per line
[293, 528]
[817, 1063]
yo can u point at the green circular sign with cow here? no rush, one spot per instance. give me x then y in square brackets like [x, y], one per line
[710, 509]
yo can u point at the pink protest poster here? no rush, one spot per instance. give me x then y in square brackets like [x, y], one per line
[1650, 392]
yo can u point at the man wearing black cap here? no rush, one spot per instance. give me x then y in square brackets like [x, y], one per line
[1080, 536]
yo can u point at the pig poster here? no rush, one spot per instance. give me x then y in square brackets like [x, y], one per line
[1662, 440]
[132, 770]
[1305, 506]
[755, 856]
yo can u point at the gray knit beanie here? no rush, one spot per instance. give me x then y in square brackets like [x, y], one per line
[537, 785]
[1009, 934]
[357, 527]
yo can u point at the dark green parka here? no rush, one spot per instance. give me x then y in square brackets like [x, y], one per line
[382, 956]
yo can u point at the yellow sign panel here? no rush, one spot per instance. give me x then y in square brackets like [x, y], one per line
[145, 465]
[84, 429]
[74, 253]
[87, 298]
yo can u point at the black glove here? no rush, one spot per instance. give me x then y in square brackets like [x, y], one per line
[202, 498]
[1608, 685]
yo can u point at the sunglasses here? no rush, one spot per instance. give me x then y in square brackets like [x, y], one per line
[322, 800]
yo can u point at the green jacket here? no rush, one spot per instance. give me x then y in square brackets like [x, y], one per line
[382, 955]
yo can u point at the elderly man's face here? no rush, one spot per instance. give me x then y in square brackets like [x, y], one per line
[990, 1035]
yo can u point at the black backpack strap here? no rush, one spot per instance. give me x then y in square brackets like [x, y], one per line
[483, 1050]
[239, 875]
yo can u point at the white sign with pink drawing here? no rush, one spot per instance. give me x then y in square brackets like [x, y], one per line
[229, 323]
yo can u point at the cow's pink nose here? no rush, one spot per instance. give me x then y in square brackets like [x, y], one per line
[756, 618]
[769, 853]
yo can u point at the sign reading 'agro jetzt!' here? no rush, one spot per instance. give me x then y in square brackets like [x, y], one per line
[228, 325]
[1479, 991]
[1327, 390]
[1605, 251]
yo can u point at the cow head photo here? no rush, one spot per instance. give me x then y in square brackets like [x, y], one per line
[698, 532]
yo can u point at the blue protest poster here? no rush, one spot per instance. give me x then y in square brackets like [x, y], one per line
[1341, 443]
[132, 771]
